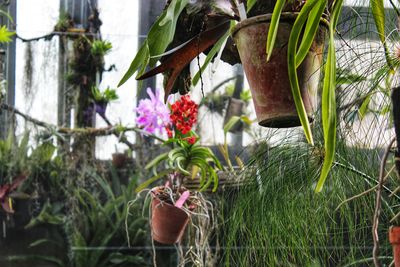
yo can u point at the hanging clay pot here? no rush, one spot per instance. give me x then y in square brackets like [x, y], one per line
[269, 82]
[168, 223]
[394, 238]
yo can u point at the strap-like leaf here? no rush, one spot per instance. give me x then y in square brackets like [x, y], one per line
[159, 37]
[378, 11]
[329, 101]
[232, 121]
[141, 55]
[153, 179]
[273, 27]
[216, 48]
[250, 4]
[292, 70]
[310, 31]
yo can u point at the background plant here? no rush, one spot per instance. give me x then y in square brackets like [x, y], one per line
[92, 232]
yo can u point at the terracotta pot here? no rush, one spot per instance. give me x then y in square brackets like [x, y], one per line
[394, 238]
[235, 108]
[119, 160]
[168, 223]
[269, 82]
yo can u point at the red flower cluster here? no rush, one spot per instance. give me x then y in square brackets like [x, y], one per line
[184, 114]
[191, 140]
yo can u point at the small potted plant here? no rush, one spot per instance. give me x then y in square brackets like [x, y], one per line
[100, 101]
[172, 204]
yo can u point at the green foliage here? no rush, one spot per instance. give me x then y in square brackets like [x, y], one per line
[5, 34]
[100, 48]
[273, 28]
[64, 22]
[277, 220]
[96, 221]
[17, 158]
[210, 56]
[106, 96]
[292, 67]
[328, 105]
[378, 11]
[245, 95]
[187, 158]
[159, 37]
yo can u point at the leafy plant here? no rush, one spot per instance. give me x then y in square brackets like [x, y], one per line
[5, 34]
[95, 222]
[100, 48]
[106, 96]
[64, 22]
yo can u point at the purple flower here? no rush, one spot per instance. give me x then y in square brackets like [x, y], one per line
[153, 114]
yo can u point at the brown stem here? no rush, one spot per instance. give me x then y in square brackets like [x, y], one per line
[375, 251]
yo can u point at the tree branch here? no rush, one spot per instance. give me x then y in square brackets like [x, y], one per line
[110, 130]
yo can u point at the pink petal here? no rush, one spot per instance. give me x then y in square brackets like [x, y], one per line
[179, 203]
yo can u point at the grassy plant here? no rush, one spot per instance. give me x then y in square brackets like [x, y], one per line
[278, 220]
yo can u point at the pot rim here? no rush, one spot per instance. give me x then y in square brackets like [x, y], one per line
[156, 189]
[285, 16]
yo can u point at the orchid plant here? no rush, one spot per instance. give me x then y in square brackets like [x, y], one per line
[187, 158]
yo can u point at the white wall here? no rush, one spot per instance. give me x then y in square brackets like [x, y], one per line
[120, 27]
[39, 100]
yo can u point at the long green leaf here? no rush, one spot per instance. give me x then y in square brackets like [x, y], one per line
[364, 107]
[137, 62]
[162, 32]
[232, 121]
[378, 11]
[273, 27]
[250, 4]
[153, 179]
[216, 48]
[310, 31]
[159, 37]
[34, 258]
[292, 70]
[104, 185]
[329, 101]
[156, 160]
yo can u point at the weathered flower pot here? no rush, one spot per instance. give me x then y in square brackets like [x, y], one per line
[269, 82]
[394, 238]
[168, 223]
